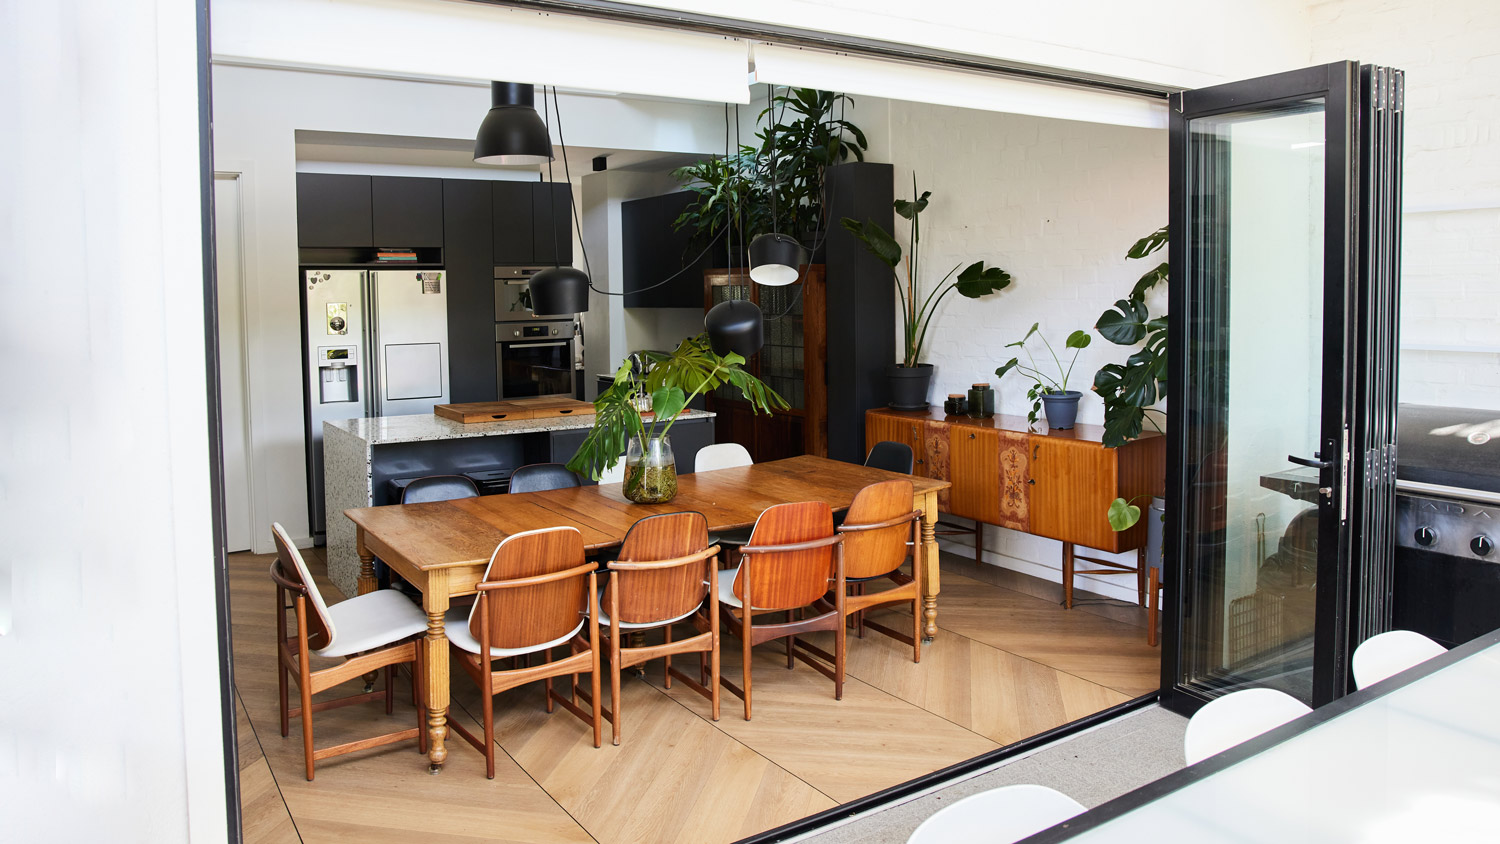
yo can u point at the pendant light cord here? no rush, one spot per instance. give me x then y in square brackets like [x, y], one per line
[578, 223]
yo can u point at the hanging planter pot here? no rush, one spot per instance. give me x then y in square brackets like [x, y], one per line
[909, 385]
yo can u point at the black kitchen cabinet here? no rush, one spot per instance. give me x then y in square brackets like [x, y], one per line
[334, 210]
[513, 223]
[468, 257]
[552, 230]
[406, 212]
[653, 252]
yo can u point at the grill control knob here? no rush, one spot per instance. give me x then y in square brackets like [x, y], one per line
[1482, 545]
[1426, 536]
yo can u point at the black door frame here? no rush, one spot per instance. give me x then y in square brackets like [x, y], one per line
[1338, 84]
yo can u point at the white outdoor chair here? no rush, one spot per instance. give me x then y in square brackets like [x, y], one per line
[1235, 718]
[1391, 653]
[998, 816]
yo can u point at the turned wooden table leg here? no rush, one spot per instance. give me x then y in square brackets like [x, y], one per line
[366, 584]
[435, 658]
[931, 586]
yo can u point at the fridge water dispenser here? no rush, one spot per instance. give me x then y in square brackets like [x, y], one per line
[338, 374]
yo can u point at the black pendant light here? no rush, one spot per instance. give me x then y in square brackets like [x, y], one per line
[512, 131]
[735, 325]
[558, 290]
[775, 258]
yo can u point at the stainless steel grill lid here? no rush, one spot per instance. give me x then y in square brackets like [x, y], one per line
[1448, 446]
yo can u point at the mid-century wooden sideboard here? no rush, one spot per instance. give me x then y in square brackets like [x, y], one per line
[1057, 484]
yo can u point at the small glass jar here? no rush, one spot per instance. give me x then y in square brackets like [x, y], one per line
[956, 405]
[650, 473]
[981, 401]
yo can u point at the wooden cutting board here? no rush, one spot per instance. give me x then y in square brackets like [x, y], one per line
[515, 409]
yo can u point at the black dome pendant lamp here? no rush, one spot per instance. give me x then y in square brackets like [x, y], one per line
[735, 325]
[558, 290]
[775, 258]
[512, 131]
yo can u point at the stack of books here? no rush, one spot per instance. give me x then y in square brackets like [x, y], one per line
[395, 255]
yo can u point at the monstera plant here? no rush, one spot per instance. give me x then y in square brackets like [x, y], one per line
[1131, 389]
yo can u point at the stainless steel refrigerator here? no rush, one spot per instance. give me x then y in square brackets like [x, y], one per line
[376, 344]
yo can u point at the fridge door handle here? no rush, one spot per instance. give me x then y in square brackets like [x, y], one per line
[373, 332]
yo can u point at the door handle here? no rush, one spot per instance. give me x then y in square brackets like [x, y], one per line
[1311, 462]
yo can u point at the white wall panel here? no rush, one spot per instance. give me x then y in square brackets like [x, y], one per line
[435, 38]
[938, 86]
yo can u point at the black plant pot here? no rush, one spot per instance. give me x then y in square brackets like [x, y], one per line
[1061, 408]
[909, 385]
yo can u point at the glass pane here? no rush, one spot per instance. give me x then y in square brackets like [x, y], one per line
[1255, 396]
[781, 357]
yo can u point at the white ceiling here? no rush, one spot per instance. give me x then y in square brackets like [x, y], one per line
[411, 150]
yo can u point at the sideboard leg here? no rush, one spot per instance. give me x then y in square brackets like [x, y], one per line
[1067, 575]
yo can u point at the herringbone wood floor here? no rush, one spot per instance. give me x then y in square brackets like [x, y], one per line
[1006, 665]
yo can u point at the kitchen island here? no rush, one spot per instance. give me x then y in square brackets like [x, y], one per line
[365, 460]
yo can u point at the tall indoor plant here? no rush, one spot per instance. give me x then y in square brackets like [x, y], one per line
[1132, 389]
[670, 381]
[911, 377]
[734, 193]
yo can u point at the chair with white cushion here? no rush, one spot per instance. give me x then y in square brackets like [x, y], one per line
[372, 631]
[712, 458]
[1389, 654]
[666, 574]
[793, 559]
[1236, 718]
[538, 593]
[998, 816]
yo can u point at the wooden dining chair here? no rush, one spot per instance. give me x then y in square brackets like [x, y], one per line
[880, 530]
[537, 593]
[666, 573]
[372, 631]
[793, 559]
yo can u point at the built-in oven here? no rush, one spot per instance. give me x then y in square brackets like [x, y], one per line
[535, 358]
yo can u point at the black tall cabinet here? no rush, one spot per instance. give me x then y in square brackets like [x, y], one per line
[469, 259]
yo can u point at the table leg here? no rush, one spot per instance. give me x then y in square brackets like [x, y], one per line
[435, 657]
[364, 585]
[931, 586]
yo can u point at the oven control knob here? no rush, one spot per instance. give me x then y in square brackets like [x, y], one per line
[1426, 536]
[518, 333]
[554, 332]
[1482, 545]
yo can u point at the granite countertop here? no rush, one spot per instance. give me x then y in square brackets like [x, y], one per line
[429, 426]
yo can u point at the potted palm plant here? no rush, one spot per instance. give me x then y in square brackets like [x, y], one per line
[911, 377]
[670, 382]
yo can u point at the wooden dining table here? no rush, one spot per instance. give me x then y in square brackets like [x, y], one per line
[443, 547]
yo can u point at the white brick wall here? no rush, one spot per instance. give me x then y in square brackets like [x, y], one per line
[1450, 305]
[1054, 202]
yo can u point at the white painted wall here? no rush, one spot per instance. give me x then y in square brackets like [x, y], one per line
[110, 710]
[1188, 43]
[257, 112]
[1056, 203]
[1450, 304]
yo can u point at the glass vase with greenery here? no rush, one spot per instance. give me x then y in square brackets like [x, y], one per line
[670, 381]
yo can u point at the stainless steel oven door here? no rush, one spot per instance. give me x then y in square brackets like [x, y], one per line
[529, 368]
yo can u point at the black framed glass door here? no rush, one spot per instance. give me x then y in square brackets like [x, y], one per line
[1265, 263]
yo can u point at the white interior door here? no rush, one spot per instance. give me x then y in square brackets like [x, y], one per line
[234, 418]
